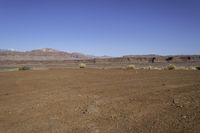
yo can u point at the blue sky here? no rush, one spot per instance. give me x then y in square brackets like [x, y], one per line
[102, 27]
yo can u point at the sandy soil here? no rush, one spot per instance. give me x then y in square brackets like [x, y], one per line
[100, 101]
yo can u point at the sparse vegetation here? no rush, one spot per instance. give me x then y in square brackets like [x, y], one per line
[150, 68]
[8, 69]
[169, 59]
[181, 68]
[82, 65]
[23, 68]
[153, 59]
[171, 67]
[131, 66]
[192, 68]
[197, 67]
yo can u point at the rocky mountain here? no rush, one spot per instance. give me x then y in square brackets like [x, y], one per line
[45, 54]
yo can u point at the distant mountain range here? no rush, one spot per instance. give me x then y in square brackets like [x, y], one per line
[49, 54]
[43, 54]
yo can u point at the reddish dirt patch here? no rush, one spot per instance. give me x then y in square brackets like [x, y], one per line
[100, 101]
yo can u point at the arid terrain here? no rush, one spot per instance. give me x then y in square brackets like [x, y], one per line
[100, 101]
[52, 58]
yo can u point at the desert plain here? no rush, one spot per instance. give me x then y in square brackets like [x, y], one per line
[100, 101]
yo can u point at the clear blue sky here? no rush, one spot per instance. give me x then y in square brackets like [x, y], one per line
[102, 27]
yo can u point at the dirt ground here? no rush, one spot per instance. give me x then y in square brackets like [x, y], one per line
[100, 101]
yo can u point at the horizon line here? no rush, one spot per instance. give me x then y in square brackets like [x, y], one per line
[124, 55]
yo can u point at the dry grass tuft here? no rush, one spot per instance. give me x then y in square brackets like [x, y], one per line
[82, 65]
[131, 66]
[171, 67]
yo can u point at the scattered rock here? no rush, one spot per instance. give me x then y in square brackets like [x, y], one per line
[182, 101]
[184, 116]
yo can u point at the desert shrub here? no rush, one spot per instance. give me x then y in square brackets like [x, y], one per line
[181, 68]
[147, 68]
[23, 68]
[153, 59]
[169, 59]
[192, 68]
[156, 68]
[131, 66]
[197, 67]
[82, 65]
[150, 68]
[171, 67]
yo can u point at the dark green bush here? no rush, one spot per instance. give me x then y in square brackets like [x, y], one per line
[23, 68]
[198, 67]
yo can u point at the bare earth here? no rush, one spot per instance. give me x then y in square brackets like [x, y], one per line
[100, 101]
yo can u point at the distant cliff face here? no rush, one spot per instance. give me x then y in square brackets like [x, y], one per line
[151, 59]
